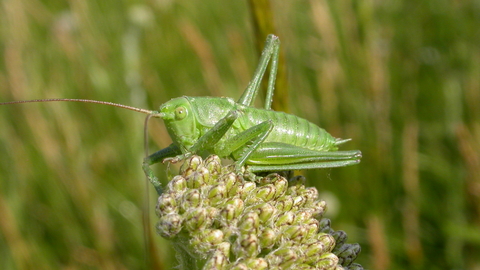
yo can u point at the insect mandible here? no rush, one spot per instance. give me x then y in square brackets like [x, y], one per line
[261, 139]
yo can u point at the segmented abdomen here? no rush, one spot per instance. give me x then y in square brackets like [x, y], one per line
[289, 129]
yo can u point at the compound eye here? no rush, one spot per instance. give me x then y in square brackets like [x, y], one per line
[180, 113]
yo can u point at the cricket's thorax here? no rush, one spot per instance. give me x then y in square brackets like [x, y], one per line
[209, 110]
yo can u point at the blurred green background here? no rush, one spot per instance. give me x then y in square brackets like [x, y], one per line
[401, 78]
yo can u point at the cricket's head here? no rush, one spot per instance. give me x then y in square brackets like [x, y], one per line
[179, 120]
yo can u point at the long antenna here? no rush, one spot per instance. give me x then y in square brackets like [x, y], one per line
[84, 101]
[150, 114]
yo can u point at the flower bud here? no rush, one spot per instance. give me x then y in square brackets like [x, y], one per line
[196, 218]
[312, 228]
[285, 218]
[281, 186]
[217, 261]
[204, 240]
[224, 248]
[340, 238]
[319, 208]
[232, 210]
[284, 203]
[178, 183]
[190, 165]
[311, 195]
[327, 261]
[199, 178]
[229, 231]
[169, 225]
[327, 240]
[268, 237]
[249, 222]
[283, 257]
[313, 251]
[303, 216]
[347, 253]
[265, 211]
[245, 189]
[231, 183]
[227, 214]
[191, 199]
[238, 204]
[294, 232]
[248, 245]
[217, 193]
[266, 193]
[298, 202]
[213, 165]
[166, 204]
[325, 225]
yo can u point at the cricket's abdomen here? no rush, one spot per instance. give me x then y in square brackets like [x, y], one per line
[289, 129]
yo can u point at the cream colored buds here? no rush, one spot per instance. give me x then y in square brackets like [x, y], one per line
[224, 220]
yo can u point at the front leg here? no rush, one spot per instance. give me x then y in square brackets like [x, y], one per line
[210, 138]
[156, 157]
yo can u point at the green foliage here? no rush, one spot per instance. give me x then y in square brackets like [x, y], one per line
[400, 78]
